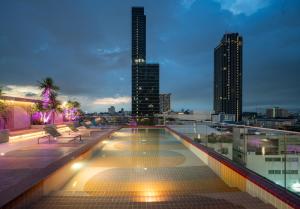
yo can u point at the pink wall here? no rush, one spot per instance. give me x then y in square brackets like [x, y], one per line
[21, 118]
[1, 123]
[58, 118]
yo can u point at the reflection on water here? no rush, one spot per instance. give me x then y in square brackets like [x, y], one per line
[146, 165]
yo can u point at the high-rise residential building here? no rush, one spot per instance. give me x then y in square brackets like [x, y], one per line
[145, 77]
[277, 112]
[164, 103]
[228, 69]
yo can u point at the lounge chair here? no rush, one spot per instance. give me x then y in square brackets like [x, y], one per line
[75, 129]
[86, 124]
[52, 132]
[87, 127]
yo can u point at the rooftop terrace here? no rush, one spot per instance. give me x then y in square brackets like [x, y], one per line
[148, 167]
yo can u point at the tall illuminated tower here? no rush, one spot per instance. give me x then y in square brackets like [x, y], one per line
[138, 35]
[228, 69]
[145, 77]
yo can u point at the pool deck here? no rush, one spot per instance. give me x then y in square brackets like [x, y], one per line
[26, 163]
[147, 169]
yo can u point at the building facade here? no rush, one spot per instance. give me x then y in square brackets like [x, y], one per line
[138, 43]
[112, 110]
[277, 112]
[228, 69]
[164, 103]
[145, 77]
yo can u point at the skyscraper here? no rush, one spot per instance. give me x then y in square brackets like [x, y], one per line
[228, 68]
[164, 103]
[145, 77]
[138, 46]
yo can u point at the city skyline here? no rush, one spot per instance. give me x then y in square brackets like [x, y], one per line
[39, 40]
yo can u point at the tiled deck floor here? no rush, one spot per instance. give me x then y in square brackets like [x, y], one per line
[148, 169]
[20, 161]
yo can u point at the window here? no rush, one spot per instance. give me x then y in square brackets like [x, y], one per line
[272, 159]
[291, 159]
[274, 171]
[290, 171]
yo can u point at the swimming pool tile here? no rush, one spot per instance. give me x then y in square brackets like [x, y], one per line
[146, 169]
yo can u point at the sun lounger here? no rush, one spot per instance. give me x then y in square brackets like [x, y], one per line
[51, 131]
[87, 127]
[72, 127]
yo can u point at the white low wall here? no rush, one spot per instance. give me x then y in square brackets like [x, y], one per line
[233, 178]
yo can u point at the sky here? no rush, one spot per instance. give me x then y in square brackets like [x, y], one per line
[84, 45]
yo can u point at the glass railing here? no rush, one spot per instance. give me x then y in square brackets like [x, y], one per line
[273, 154]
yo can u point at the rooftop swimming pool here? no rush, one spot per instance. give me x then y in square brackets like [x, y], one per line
[144, 168]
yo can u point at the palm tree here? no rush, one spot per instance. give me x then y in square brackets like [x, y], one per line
[55, 105]
[48, 88]
[49, 94]
[48, 83]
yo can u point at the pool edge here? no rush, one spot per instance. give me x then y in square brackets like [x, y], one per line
[32, 187]
[241, 177]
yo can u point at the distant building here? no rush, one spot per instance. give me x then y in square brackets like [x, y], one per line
[277, 112]
[249, 118]
[222, 118]
[145, 77]
[268, 155]
[228, 68]
[112, 110]
[164, 103]
[195, 116]
[277, 123]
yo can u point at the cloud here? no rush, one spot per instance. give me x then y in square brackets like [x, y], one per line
[21, 91]
[113, 101]
[109, 51]
[247, 7]
[87, 52]
[30, 94]
[188, 3]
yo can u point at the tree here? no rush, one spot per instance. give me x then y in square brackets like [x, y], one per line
[50, 103]
[55, 105]
[49, 90]
[72, 110]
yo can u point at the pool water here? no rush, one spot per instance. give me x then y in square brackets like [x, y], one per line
[138, 166]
